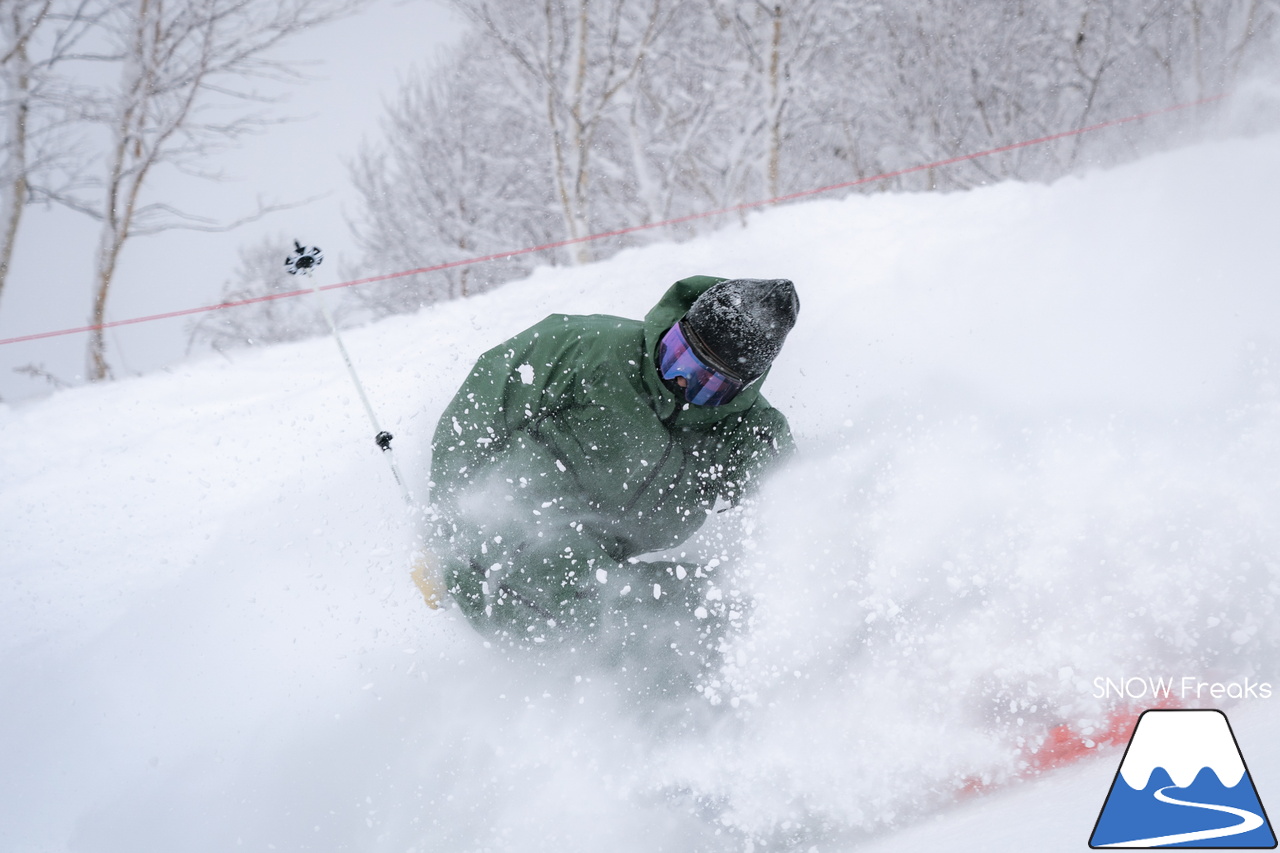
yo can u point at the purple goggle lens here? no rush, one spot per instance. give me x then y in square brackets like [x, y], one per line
[705, 386]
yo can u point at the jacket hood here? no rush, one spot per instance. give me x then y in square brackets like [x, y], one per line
[671, 307]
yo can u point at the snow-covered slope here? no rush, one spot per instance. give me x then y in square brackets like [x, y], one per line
[1042, 444]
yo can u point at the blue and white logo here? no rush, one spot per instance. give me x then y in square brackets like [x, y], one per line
[1183, 783]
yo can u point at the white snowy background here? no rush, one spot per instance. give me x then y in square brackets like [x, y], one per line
[1041, 444]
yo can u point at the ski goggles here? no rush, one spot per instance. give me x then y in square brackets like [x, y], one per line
[705, 384]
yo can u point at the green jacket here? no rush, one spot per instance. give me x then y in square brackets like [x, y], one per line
[563, 457]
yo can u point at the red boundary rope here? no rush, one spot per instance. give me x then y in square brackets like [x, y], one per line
[620, 231]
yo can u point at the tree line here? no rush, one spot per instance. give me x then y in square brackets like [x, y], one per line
[571, 117]
[557, 120]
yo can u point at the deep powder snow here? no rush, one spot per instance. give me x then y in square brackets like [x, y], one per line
[1041, 439]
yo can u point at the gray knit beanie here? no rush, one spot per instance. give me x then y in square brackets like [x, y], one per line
[743, 322]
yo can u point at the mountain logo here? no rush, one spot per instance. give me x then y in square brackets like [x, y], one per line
[1183, 783]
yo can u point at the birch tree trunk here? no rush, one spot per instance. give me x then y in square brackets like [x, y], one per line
[14, 199]
[133, 153]
[18, 23]
[775, 106]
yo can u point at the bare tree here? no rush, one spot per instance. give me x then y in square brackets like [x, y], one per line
[1203, 47]
[37, 38]
[964, 76]
[612, 113]
[452, 179]
[772, 47]
[520, 137]
[572, 58]
[18, 23]
[179, 60]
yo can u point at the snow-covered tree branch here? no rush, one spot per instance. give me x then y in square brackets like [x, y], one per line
[603, 114]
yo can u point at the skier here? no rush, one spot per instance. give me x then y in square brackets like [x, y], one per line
[585, 442]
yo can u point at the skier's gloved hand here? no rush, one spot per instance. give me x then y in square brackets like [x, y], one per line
[428, 577]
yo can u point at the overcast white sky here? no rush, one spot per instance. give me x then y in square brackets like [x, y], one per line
[356, 65]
